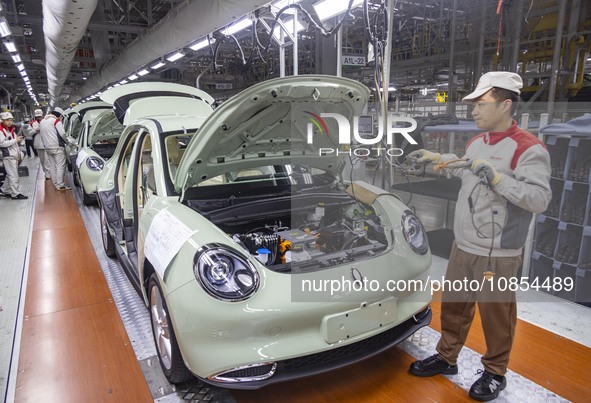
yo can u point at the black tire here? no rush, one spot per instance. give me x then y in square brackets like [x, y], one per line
[86, 199]
[171, 362]
[108, 241]
[75, 178]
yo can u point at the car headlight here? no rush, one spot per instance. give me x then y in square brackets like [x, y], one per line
[225, 274]
[414, 233]
[95, 164]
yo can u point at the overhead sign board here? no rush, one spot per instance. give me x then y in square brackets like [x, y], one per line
[353, 61]
[223, 86]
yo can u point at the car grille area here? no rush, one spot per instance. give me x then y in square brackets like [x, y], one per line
[254, 377]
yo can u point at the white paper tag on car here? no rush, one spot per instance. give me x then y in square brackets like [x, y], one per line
[166, 236]
[80, 158]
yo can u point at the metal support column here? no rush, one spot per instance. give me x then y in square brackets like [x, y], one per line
[451, 86]
[478, 71]
[517, 36]
[295, 42]
[386, 85]
[340, 52]
[556, 58]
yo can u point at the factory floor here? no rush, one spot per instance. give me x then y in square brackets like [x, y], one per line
[72, 329]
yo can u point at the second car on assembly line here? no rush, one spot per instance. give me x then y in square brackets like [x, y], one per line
[223, 220]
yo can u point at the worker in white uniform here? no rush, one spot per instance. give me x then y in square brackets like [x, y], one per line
[38, 142]
[11, 155]
[55, 140]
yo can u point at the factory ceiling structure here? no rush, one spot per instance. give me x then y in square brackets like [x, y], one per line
[60, 51]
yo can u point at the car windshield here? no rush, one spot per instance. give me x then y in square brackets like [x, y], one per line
[175, 146]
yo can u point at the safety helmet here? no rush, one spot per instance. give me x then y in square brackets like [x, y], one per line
[6, 116]
[38, 113]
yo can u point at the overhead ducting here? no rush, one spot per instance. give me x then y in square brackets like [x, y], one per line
[64, 24]
[182, 25]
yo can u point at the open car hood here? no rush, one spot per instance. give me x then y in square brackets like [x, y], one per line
[124, 96]
[268, 124]
[93, 109]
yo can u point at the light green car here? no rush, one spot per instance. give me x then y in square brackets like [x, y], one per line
[257, 261]
[96, 145]
[75, 122]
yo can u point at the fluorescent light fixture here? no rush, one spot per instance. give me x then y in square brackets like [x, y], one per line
[123, 82]
[23, 73]
[20, 67]
[329, 8]
[10, 46]
[238, 26]
[116, 85]
[16, 58]
[282, 3]
[143, 72]
[157, 65]
[176, 56]
[4, 27]
[84, 78]
[132, 77]
[201, 44]
[289, 25]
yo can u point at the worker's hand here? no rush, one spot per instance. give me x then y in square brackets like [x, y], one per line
[20, 139]
[424, 156]
[483, 167]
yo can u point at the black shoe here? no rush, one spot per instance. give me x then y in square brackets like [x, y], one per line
[488, 386]
[432, 366]
[19, 196]
[2, 194]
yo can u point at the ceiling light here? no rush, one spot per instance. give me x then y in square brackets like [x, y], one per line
[20, 67]
[201, 44]
[10, 46]
[143, 72]
[123, 82]
[16, 58]
[329, 8]
[84, 78]
[23, 73]
[157, 65]
[176, 56]
[4, 27]
[282, 3]
[238, 26]
[132, 77]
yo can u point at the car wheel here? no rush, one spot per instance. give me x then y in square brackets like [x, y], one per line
[86, 199]
[169, 353]
[108, 241]
[75, 177]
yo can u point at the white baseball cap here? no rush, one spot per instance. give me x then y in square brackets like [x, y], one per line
[58, 110]
[6, 116]
[500, 79]
[38, 112]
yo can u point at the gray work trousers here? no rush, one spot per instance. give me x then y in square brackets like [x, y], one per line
[56, 158]
[43, 162]
[11, 185]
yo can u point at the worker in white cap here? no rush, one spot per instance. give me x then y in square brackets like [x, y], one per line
[55, 140]
[11, 154]
[38, 142]
[508, 179]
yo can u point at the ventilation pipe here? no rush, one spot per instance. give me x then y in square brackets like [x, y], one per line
[182, 25]
[64, 24]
